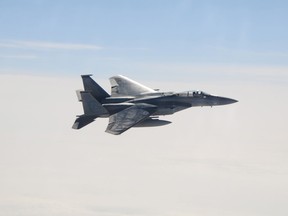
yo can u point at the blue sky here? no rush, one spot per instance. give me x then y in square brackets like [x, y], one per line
[108, 37]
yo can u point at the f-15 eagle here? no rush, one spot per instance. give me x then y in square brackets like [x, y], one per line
[132, 104]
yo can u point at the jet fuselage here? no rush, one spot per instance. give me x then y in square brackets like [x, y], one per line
[167, 103]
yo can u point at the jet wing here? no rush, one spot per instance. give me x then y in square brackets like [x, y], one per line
[125, 119]
[123, 86]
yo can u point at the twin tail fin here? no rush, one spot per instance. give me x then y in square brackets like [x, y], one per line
[92, 109]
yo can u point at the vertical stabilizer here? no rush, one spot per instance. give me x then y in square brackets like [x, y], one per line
[92, 109]
[123, 86]
[91, 106]
[91, 86]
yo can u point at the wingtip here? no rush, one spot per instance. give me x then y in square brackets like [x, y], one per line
[75, 126]
[113, 132]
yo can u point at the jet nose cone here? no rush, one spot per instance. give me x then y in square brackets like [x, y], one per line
[230, 101]
[224, 101]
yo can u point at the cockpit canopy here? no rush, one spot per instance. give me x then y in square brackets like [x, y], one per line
[197, 93]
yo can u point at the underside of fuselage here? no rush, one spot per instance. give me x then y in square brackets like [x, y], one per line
[165, 105]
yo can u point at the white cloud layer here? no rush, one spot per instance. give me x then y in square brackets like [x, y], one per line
[228, 161]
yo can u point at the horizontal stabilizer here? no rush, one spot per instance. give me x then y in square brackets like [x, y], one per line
[82, 121]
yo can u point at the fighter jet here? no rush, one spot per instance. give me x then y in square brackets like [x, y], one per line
[132, 104]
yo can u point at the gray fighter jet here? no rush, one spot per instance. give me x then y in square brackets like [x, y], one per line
[132, 104]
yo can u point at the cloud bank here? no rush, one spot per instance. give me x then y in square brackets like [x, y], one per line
[228, 160]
